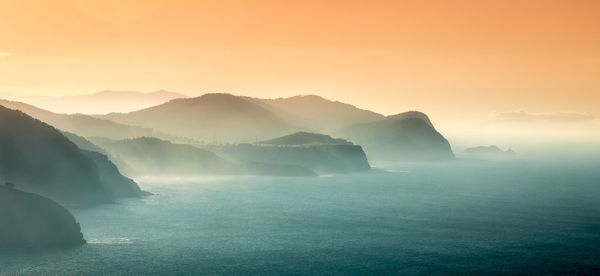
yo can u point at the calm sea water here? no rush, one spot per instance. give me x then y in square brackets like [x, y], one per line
[517, 216]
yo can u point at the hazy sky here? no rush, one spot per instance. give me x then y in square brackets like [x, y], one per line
[452, 59]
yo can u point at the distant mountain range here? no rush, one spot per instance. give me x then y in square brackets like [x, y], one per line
[225, 118]
[101, 102]
[229, 118]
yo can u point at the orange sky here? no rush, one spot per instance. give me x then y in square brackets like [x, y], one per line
[452, 59]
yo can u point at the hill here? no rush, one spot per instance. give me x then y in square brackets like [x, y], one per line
[39, 158]
[406, 137]
[320, 153]
[211, 117]
[317, 113]
[150, 156]
[154, 157]
[305, 138]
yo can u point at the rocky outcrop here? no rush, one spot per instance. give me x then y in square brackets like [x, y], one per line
[489, 151]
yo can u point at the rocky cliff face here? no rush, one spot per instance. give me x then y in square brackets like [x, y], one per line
[31, 221]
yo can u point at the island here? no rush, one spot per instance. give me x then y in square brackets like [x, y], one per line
[489, 151]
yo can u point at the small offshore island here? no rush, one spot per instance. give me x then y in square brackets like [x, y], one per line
[490, 151]
[32, 221]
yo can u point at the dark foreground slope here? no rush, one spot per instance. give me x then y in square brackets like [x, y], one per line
[407, 136]
[31, 221]
[42, 160]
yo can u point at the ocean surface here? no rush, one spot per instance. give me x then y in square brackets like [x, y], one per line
[494, 217]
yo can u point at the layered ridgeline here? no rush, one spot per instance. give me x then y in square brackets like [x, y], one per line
[209, 118]
[42, 160]
[224, 118]
[407, 136]
[300, 154]
[31, 221]
[316, 113]
[317, 152]
[146, 156]
[85, 125]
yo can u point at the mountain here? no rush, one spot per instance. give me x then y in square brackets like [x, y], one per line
[225, 118]
[154, 157]
[42, 160]
[317, 152]
[317, 113]
[85, 125]
[104, 101]
[150, 156]
[32, 221]
[211, 118]
[489, 151]
[407, 136]
[305, 138]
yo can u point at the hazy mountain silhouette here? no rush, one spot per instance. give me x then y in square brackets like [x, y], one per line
[31, 221]
[218, 118]
[305, 138]
[42, 160]
[301, 149]
[104, 101]
[154, 157]
[223, 118]
[85, 125]
[211, 117]
[317, 113]
[83, 143]
[407, 136]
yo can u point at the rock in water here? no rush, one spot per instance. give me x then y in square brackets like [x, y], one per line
[31, 221]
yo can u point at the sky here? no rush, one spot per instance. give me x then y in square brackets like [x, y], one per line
[459, 61]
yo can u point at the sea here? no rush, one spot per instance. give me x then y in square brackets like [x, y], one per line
[510, 216]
